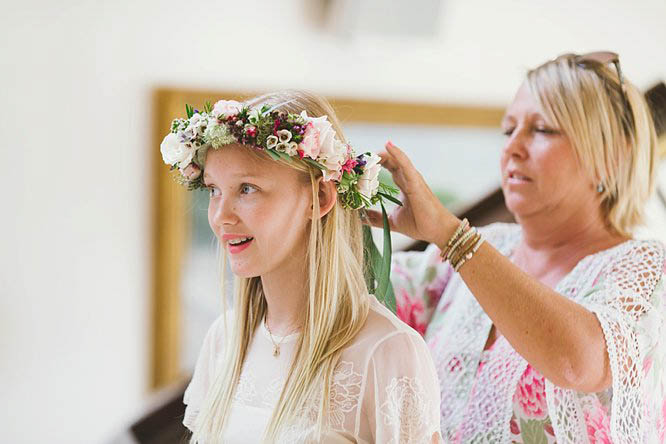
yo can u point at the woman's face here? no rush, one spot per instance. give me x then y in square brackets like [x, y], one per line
[540, 173]
[259, 210]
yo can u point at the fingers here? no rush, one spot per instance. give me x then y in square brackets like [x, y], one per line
[387, 161]
[405, 175]
[399, 157]
[373, 218]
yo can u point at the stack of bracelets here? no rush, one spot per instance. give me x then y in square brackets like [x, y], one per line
[462, 245]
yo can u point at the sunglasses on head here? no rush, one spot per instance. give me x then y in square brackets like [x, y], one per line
[594, 60]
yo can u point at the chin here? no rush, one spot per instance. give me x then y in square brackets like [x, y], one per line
[243, 271]
[518, 205]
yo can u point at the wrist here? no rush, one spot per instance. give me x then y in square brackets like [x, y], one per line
[448, 225]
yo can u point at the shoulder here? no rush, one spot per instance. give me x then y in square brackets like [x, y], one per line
[636, 256]
[215, 340]
[638, 264]
[383, 329]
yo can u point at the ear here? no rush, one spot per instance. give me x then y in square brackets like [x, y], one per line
[328, 195]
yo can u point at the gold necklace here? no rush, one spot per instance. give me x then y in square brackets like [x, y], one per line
[276, 346]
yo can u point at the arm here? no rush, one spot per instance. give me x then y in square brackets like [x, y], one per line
[401, 399]
[559, 337]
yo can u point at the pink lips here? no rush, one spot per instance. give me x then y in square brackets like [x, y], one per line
[515, 177]
[234, 249]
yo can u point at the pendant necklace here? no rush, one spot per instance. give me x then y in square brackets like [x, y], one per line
[276, 345]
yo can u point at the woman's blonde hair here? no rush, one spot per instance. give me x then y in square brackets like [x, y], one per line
[337, 304]
[614, 140]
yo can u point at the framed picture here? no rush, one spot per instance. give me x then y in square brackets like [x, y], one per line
[456, 148]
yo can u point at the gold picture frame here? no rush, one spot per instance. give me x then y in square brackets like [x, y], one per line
[170, 226]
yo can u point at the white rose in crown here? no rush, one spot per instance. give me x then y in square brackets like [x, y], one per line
[368, 183]
[197, 125]
[333, 161]
[310, 143]
[226, 108]
[175, 152]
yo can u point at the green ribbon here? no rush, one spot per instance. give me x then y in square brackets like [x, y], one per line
[378, 266]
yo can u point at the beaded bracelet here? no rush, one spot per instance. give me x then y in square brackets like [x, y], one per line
[461, 240]
[462, 245]
[465, 248]
[459, 246]
[464, 225]
[469, 255]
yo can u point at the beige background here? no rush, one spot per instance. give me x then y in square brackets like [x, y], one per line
[77, 78]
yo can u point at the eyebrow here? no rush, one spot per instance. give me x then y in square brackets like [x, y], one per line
[242, 174]
[532, 115]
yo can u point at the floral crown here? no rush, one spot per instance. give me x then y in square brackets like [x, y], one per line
[281, 135]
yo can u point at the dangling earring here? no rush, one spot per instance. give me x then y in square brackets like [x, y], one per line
[600, 188]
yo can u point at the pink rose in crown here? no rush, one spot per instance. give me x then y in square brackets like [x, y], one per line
[310, 143]
[530, 395]
[191, 172]
[349, 165]
[597, 422]
[226, 108]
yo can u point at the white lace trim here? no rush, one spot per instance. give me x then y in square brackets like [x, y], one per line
[405, 411]
[616, 284]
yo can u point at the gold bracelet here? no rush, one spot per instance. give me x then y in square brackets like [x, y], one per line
[464, 238]
[458, 252]
[469, 255]
[464, 224]
[465, 249]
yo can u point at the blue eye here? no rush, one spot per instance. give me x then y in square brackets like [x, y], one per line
[247, 189]
[213, 192]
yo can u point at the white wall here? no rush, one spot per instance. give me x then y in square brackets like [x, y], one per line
[75, 128]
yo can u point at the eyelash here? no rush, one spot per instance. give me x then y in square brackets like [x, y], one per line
[540, 130]
[212, 189]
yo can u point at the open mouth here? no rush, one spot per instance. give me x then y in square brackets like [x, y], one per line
[241, 241]
[517, 177]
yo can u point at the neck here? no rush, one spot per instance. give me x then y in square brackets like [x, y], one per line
[285, 291]
[553, 244]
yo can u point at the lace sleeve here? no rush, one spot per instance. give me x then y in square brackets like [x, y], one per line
[628, 300]
[419, 279]
[204, 371]
[401, 398]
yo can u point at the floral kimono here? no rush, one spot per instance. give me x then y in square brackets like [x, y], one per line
[495, 396]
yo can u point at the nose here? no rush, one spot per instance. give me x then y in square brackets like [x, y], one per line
[516, 145]
[221, 212]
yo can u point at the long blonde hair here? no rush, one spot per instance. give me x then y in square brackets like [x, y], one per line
[337, 304]
[615, 146]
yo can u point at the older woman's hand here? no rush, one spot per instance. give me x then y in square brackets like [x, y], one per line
[422, 215]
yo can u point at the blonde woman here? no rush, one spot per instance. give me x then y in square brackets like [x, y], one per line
[552, 330]
[305, 355]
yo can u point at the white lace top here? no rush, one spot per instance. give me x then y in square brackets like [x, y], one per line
[385, 386]
[495, 396]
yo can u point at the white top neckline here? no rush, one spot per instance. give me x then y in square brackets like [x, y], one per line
[278, 339]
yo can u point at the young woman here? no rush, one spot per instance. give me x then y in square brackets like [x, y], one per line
[306, 354]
